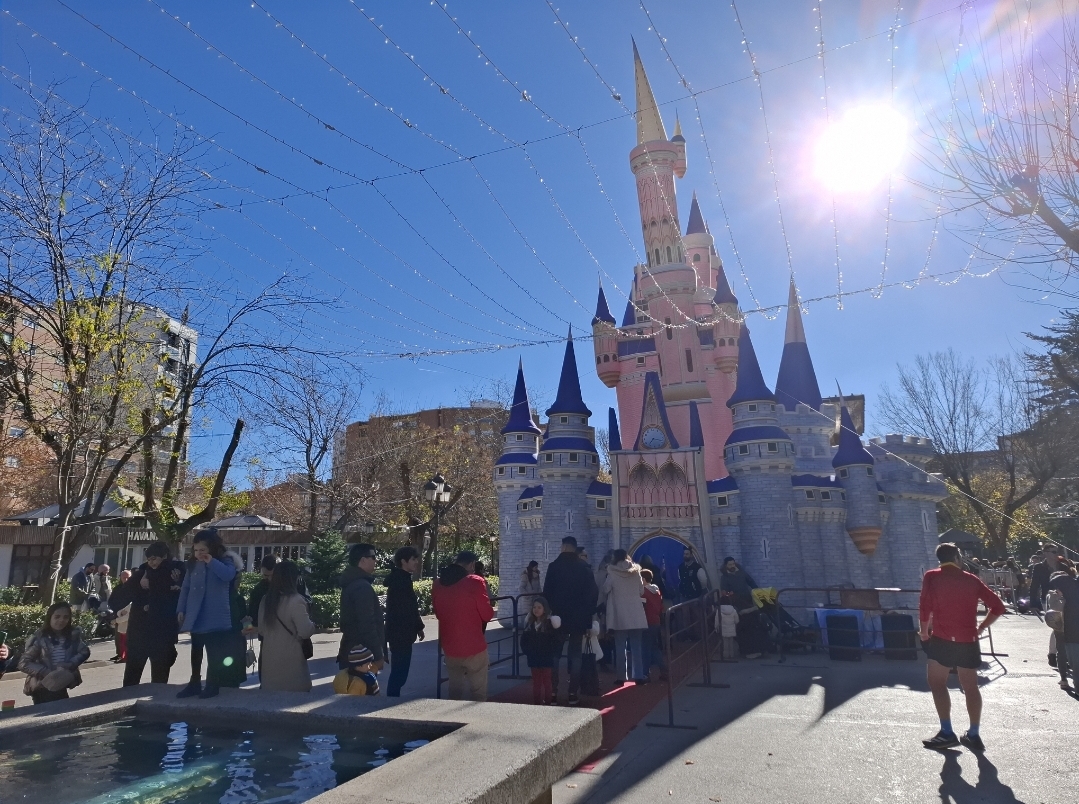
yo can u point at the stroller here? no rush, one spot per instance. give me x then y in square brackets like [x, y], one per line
[786, 633]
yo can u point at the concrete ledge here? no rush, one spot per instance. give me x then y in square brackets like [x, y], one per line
[480, 752]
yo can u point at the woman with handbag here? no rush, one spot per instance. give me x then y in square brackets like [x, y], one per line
[52, 656]
[626, 617]
[286, 629]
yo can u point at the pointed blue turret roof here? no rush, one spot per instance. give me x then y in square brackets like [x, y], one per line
[614, 438]
[724, 294]
[797, 381]
[569, 386]
[696, 219]
[851, 451]
[603, 312]
[696, 432]
[629, 318]
[520, 420]
[750, 387]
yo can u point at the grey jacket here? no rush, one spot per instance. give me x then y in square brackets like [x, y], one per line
[36, 660]
[363, 621]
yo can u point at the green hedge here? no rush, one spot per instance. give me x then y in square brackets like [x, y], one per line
[21, 622]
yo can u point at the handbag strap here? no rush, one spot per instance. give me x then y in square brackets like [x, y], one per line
[278, 616]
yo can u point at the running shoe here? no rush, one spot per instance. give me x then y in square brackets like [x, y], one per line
[973, 742]
[573, 701]
[941, 740]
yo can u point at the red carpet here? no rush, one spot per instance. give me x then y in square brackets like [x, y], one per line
[621, 708]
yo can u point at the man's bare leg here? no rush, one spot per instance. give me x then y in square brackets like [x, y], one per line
[937, 675]
[968, 677]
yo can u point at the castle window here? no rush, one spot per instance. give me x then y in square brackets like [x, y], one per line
[826, 495]
[842, 495]
[680, 254]
[925, 521]
[721, 501]
[882, 498]
[598, 359]
[606, 358]
[669, 255]
[869, 471]
[666, 220]
[657, 256]
[573, 457]
[653, 222]
[751, 408]
[773, 446]
[743, 449]
[640, 361]
[696, 258]
[640, 331]
[584, 420]
[521, 470]
[689, 360]
[773, 407]
[520, 437]
[502, 470]
[810, 495]
[601, 504]
[549, 458]
[843, 472]
[538, 504]
[524, 506]
[670, 334]
[595, 459]
[563, 419]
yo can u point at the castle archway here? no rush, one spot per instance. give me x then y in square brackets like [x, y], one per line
[665, 549]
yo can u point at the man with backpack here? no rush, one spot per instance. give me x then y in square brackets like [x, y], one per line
[570, 588]
[948, 611]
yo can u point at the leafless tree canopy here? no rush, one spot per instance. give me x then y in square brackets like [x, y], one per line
[1007, 148]
[984, 418]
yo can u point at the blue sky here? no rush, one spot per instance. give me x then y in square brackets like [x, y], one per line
[500, 264]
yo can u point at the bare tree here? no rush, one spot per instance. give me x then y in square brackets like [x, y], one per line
[301, 411]
[985, 421]
[1007, 149]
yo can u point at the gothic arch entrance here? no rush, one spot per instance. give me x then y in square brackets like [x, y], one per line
[665, 550]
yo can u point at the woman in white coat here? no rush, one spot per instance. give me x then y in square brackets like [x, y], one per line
[284, 623]
[626, 619]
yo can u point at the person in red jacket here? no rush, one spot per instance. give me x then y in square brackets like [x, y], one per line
[948, 610]
[459, 598]
[651, 643]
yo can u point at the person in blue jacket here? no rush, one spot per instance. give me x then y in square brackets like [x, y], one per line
[206, 610]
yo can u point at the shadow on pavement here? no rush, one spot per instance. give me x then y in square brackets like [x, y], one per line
[954, 789]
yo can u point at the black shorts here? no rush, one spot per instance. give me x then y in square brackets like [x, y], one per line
[954, 654]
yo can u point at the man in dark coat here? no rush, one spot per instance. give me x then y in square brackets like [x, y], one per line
[152, 590]
[1068, 639]
[570, 588]
[362, 618]
[1041, 573]
[81, 587]
[404, 626]
[736, 587]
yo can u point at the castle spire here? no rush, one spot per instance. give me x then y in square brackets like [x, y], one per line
[750, 387]
[614, 438]
[603, 312]
[851, 451]
[649, 123]
[520, 420]
[797, 381]
[677, 137]
[724, 294]
[696, 220]
[696, 432]
[569, 398]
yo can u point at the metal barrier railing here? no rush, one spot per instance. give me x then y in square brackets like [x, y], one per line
[503, 654]
[694, 622]
[790, 631]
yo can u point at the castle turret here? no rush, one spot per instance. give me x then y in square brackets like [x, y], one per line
[515, 471]
[854, 467]
[760, 457]
[605, 342]
[797, 392]
[568, 461]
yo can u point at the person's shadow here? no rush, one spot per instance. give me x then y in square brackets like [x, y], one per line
[954, 789]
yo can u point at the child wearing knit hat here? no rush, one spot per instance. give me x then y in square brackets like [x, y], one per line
[357, 678]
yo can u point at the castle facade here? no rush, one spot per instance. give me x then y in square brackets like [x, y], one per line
[703, 454]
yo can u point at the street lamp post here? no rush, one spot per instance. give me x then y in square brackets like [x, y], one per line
[437, 491]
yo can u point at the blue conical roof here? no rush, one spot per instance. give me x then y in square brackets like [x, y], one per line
[569, 386]
[603, 312]
[614, 438]
[724, 294]
[797, 381]
[851, 451]
[696, 432]
[751, 387]
[696, 220]
[520, 420]
[629, 318]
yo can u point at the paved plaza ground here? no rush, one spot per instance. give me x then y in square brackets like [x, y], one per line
[808, 730]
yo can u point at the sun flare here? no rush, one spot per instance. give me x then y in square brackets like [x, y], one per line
[859, 151]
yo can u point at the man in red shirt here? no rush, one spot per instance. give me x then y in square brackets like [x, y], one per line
[459, 598]
[948, 610]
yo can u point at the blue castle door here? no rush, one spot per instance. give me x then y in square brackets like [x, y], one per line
[666, 553]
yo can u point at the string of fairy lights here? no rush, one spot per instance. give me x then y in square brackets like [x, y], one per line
[888, 203]
[821, 49]
[357, 179]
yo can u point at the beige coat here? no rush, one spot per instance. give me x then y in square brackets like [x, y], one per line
[281, 663]
[622, 590]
